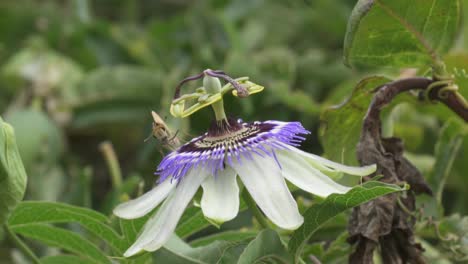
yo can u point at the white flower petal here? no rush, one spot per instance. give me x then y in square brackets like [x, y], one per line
[160, 227]
[262, 178]
[305, 176]
[220, 200]
[144, 204]
[319, 162]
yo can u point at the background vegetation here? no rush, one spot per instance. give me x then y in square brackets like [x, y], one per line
[78, 80]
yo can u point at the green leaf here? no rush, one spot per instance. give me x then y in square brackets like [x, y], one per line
[464, 43]
[217, 252]
[12, 174]
[446, 150]
[33, 213]
[457, 66]
[191, 221]
[65, 259]
[131, 228]
[334, 252]
[338, 250]
[400, 33]
[267, 246]
[231, 236]
[61, 238]
[318, 214]
[341, 125]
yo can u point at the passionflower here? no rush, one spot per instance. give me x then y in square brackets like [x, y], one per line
[263, 154]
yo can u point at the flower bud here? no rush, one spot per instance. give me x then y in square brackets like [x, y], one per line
[12, 173]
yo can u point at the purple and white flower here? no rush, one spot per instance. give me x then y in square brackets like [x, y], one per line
[262, 154]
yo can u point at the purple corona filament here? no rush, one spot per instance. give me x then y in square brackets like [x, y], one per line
[228, 140]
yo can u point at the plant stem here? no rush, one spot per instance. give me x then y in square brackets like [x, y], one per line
[253, 207]
[22, 246]
[112, 163]
[387, 92]
[405, 209]
[218, 109]
[213, 86]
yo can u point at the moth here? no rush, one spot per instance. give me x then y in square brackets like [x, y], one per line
[162, 133]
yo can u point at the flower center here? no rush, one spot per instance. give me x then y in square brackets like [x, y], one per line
[227, 134]
[228, 140]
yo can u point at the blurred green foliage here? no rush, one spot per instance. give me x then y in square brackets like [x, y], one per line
[76, 73]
